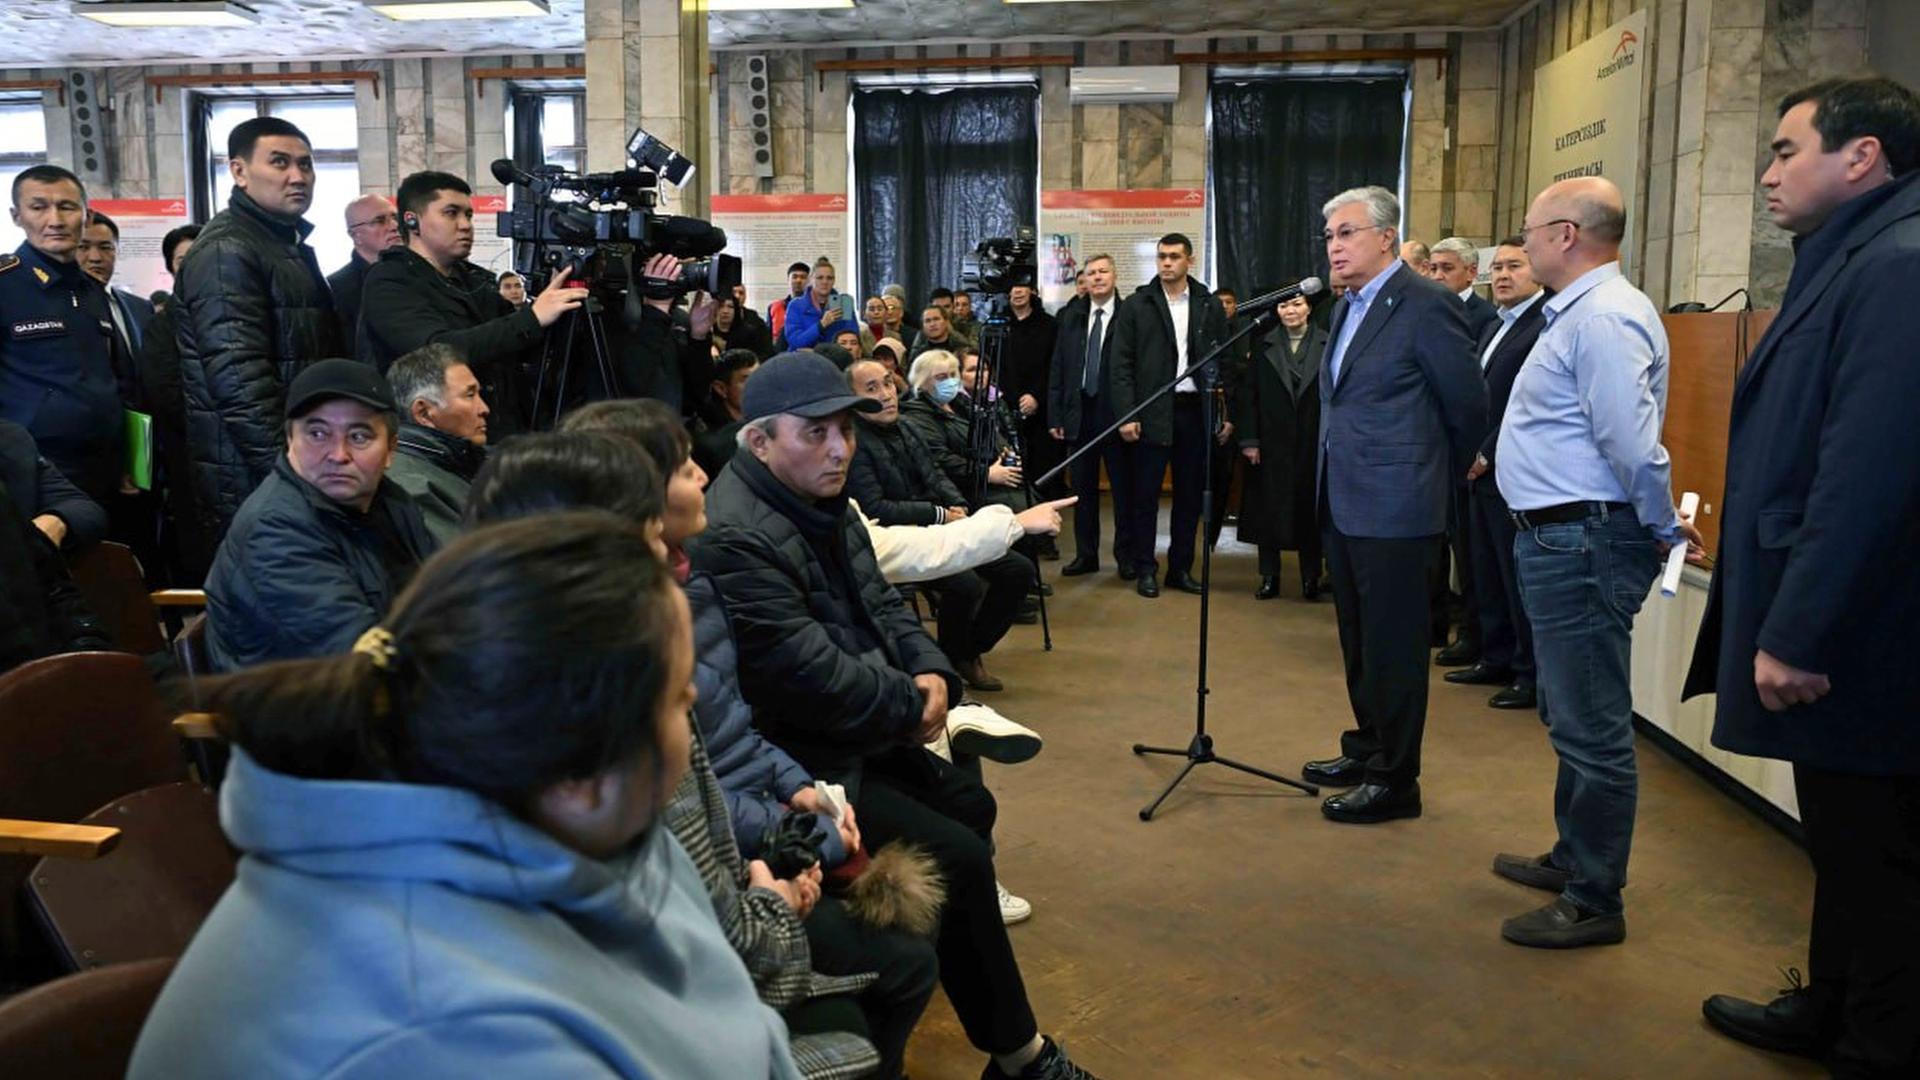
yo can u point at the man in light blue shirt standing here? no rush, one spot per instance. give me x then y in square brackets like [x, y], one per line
[1583, 472]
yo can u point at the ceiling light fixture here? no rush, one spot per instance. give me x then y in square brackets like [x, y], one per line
[777, 5]
[218, 13]
[424, 10]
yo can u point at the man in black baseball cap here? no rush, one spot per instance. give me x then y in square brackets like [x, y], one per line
[322, 546]
[842, 677]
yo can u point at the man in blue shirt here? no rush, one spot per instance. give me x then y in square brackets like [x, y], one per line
[1583, 471]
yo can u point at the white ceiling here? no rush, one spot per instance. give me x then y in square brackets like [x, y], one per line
[44, 33]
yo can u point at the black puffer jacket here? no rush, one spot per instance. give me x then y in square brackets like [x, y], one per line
[407, 304]
[894, 478]
[253, 311]
[828, 650]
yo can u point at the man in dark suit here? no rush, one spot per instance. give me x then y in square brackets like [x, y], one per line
[374, 226]
[1401, 413]
[99, 256]
[1080, 406]
[1278, 429]
[1506, 638]
[1807, 635]
[1455, 262]
[1167, 326]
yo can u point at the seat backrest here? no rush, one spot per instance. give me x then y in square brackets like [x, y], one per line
[147, 896]
[80, 1027]
[109, 577]
[77, 731]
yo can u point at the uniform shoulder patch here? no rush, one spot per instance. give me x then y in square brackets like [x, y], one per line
[8, 262]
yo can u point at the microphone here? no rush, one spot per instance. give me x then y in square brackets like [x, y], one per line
[1307, 286]
[506, 172]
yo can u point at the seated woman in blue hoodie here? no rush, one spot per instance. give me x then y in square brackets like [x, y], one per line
[453, 862]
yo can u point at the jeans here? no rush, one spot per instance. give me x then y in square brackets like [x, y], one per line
[1582, 582]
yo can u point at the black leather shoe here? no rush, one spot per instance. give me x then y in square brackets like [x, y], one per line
[1341, 771]
[1562, 925]
[1520, 695]
[1533, 871]
[1802, 1020]
[1147, 585]
[1370, 804]
[1042, 589]
[1269, 587]
[1080, 566]
[1458, 654]
[1127, 572]
[1310, 589]
[1478, 673]
[1184, 583]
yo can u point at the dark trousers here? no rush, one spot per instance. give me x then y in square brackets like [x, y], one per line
[1310, 556]
[978, 605]
[1188, 455]
[1582, 583]
[906, 965]
[1220, 463]
[1380, 601]
[1455, 553]
[1041, 452]
[1863, 835]
[910, 795]
[1506, 637]
[1085, 474]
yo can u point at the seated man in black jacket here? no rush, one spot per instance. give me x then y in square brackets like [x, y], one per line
[427, 292]
[43, 496]
[895, 481]
[41, 611]
[318, 551]
[841, 676]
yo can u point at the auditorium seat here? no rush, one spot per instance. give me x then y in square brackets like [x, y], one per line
[110, 578]
[81, 1027]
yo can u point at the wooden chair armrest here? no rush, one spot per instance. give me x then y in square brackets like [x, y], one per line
[46, 838]
[195, 598]
[196, 725]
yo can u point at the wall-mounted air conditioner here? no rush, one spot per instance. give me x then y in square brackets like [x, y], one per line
[1116, 85]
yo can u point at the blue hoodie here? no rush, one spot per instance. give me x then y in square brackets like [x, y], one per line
[400, 930]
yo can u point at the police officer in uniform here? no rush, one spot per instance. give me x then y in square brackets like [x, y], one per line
[62, 375]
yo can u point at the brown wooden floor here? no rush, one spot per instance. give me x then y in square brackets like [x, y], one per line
[1240, 934]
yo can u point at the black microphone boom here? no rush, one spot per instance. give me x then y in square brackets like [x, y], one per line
[1307, 286]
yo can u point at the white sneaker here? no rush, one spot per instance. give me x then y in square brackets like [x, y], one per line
[1012, 908]
[978, 730]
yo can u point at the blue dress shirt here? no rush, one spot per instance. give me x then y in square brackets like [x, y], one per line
[1357, 301]
[1584, 420]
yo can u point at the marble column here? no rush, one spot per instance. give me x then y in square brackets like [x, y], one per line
[647, 65]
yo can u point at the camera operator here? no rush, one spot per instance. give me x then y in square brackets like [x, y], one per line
[665, 352]
[426, 292]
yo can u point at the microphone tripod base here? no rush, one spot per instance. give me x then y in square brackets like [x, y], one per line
[1200, 752]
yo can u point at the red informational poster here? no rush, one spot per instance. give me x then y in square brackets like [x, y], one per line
[1075, 225]
[143, 224]
[771, 232]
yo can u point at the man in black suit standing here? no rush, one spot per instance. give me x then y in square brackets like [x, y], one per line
[1455, 263]
[1807, 637]
[1080, 406]
[1401, 413]
[99, 256]
[374, 226]
[1506, 638]
[1167, 326]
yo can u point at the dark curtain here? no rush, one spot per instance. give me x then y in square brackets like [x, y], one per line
[1282, 148]
[938, 172]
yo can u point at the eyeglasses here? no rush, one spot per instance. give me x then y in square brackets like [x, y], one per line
[1345, 233]
[1525, 229]
[383, 219]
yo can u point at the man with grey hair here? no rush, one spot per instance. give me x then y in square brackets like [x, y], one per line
[374, 226]
[1455, 262]
[443, 434]
[1402, 409]
[1587, 483]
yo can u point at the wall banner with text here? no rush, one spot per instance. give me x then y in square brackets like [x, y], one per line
[1124, 224]
[143, 224]
[771, 232]
[1587, 106]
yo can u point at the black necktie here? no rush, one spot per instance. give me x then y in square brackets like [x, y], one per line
[1090, 384]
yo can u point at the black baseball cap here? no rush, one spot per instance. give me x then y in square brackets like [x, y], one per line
[331, 379]
[801, 384]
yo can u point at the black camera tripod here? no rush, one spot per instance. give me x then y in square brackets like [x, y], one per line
[985, 432]
[588, 320]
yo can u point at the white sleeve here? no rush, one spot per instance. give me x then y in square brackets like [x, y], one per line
[911, 553]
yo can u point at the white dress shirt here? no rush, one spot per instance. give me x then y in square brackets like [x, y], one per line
[1181, 307]
[1508, 316]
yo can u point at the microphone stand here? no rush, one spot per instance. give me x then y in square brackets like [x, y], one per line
[1199, 750]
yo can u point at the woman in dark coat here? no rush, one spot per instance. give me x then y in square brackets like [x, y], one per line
[1278, 423]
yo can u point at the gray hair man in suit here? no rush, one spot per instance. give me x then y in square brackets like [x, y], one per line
[1402, 409]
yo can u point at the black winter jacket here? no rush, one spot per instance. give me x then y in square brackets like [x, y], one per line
[894, 479]
[299, 575]
[38, 487]
[253, 311]
[406, 303]
[827, 649]
[41, 611]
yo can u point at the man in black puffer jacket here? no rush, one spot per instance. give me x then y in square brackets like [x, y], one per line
[41, 611]
[841, 676]
[253, 311]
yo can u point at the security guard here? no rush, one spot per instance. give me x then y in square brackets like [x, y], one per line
[61, 375]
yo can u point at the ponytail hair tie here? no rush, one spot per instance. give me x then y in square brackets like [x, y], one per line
[377, 644]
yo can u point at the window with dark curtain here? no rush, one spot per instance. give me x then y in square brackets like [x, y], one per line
[936, 172]
[1281, 149]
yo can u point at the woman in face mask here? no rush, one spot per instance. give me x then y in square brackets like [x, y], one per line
[452, 858]
[941, 414]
